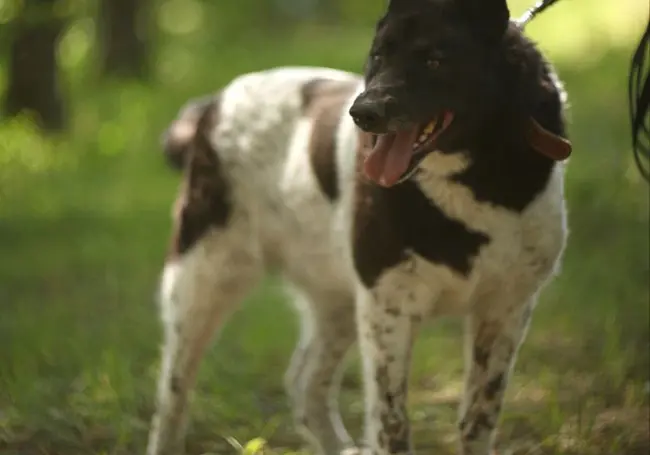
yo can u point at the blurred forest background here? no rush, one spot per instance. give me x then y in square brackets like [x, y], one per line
[87, 87]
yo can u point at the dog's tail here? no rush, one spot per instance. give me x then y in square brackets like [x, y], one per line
[177, 140]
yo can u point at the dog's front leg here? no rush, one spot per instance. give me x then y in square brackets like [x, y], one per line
[493, 337]
[387, 327]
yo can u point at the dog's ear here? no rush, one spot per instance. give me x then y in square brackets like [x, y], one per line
[488, 17]
[177, 139]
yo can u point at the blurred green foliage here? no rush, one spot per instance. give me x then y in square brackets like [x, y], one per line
[84, 220]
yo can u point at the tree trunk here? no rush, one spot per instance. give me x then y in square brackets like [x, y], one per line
[124, 48]
[33, 85]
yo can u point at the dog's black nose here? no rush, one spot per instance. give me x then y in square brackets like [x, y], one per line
[371, 115]
[366, 115]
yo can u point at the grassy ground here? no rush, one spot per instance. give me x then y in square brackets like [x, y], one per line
[83, 228]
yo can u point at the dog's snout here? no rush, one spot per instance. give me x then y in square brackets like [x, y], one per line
[367, 115]
[372, 114]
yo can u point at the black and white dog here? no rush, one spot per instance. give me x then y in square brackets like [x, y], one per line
[431, 187]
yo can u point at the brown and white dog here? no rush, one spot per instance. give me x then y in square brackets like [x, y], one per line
[432, 187]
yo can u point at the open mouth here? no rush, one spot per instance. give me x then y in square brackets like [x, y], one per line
[396, 155]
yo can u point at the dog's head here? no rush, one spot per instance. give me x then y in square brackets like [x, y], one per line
[437, 70]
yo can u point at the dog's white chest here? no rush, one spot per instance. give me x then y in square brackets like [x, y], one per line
[527, 242]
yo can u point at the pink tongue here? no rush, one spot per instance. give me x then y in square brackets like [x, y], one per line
[390, 157]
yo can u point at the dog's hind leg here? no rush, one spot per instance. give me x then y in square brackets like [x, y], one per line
[199, 290]
[492, 342]
[212, 265]
[313, 378]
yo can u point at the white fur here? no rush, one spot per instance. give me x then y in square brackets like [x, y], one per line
[283, 220]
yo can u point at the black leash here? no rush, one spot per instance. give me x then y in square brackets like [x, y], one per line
[638, 91]
[639, 102]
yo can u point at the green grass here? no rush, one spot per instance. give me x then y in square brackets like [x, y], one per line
[84, 224]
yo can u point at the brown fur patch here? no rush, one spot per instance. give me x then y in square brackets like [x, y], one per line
[204, 200]
[323, 101]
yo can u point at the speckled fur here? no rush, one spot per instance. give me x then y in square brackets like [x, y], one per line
[281, 219]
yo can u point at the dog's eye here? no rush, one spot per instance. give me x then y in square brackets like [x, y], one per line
[433, 63]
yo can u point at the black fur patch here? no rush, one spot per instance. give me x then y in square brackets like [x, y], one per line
[388, 222]
[494, 386]
[481, 355]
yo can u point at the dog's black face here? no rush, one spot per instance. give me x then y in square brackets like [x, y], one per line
[433, 68]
